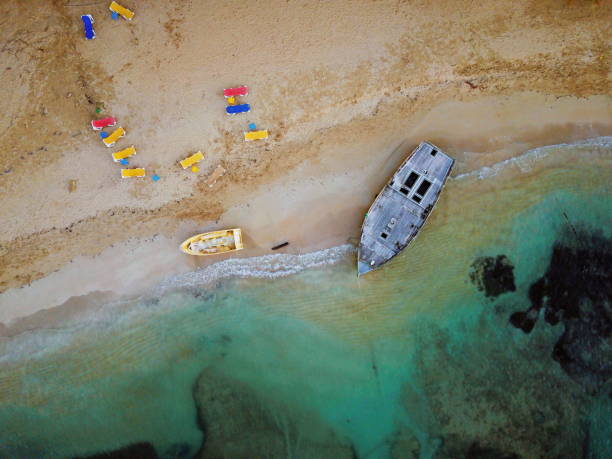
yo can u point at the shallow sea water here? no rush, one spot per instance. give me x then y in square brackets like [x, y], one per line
[412, 360]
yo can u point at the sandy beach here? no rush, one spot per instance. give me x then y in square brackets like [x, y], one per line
[346, 89]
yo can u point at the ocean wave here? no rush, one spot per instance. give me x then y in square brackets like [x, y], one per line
[38, 342]
[525, 162]
[263, 267]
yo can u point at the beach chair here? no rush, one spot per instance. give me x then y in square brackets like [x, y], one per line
[116, 135]
[256, 135]
[97, 125]
[128, 173]
[88, 21]
[217, 173]
[117, 8]
[233, 109]
[191, 160]
[119, 155]
[239, 91]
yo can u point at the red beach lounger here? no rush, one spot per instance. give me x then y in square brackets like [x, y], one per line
[101, 124]
[239, 91]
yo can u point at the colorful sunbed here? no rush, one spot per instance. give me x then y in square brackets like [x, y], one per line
[117, 8]
[191, 160]
[239, 91]
[119, 155]
[127, 173]
[88, 21]
[256, 135]
[116, 135]
[104, 122]
[233, 109]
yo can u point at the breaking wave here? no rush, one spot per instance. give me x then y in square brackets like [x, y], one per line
[263, 267]
[527, 160]
[38, 342]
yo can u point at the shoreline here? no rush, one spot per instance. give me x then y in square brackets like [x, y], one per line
[342, 117]
[64, 302]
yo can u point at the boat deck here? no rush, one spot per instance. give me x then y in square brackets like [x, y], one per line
[401, 208]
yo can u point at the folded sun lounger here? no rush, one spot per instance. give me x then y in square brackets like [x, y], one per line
[191, 160]
[119, 155]
[127, 173]
[217, 173]
[117, 8]
[233, 109]
[116, 135]
[256, 135]
[104, 122]
[88, 26]
[239, 91]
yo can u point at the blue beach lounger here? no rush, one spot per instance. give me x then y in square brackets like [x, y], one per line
[88, 26]
[233, 109]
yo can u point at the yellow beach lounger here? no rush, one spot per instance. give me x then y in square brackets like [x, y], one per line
[119, 155]
[117, 8]
[111, 139]
[138, 172]
[256, 135]
[191, 160]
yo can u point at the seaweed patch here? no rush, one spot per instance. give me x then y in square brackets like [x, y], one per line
[493, 275]
[575, 290]
[142, 450]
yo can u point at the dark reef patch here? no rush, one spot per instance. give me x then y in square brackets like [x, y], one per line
[478, 452]
[238, 422]
[575, 290]
[493, 275]
[487, 399]
[142, 450]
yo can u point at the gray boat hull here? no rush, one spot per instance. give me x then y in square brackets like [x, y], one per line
[402, 207]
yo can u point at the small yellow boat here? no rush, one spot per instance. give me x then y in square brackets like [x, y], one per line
[214, 242]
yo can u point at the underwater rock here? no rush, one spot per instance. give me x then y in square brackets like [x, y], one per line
[576, 291]
[178, 451]
[142, 450]
[405, 446]
[239, 423]
[478, 452]
[486, 398]
[493, 275]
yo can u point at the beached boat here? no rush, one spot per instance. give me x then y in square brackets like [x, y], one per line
[401, 208]
[214, 242]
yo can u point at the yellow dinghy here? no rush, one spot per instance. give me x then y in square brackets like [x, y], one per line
[214, 242]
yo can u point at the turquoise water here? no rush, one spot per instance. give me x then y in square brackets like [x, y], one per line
[410, 361]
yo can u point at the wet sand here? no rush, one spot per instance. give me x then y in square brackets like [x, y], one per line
[343, 108]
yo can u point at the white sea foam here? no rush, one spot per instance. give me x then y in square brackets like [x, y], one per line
[263, 267]
[527, 160]
[38, 342]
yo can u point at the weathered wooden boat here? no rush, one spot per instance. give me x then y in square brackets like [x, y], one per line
[402, 207]
[214, 242]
